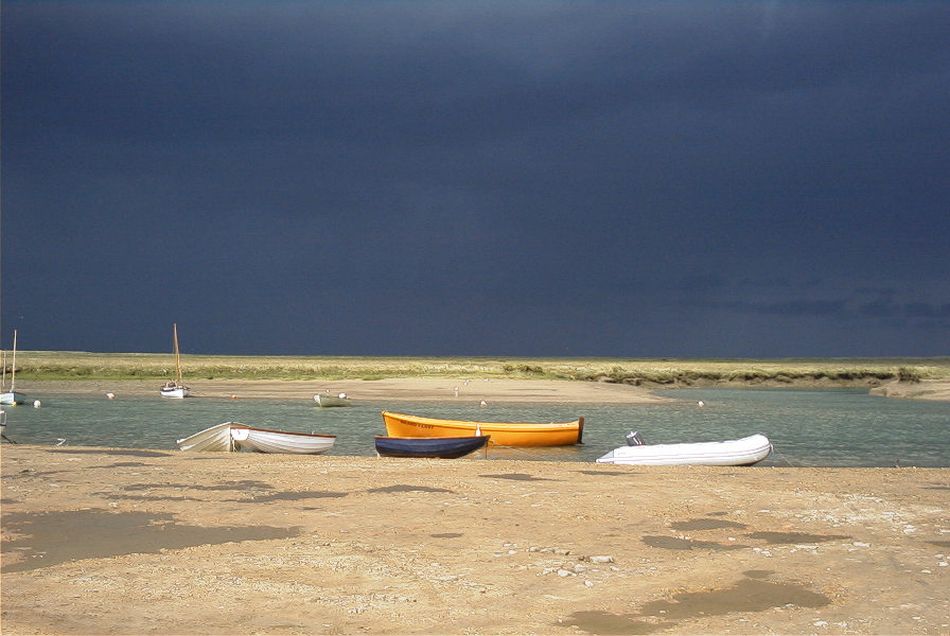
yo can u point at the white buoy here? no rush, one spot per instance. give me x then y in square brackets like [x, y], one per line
[342, 396]
[110, 395]
[483, 403]
[701, 403]
[37, 404]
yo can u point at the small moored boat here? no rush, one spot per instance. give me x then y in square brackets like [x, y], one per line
[502, 433]
[736, 452]
[175, 388]
[325, 400]
[234, 436]
[436, 447]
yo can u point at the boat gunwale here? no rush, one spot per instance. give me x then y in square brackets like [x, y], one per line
[431, 439]
[273, 430]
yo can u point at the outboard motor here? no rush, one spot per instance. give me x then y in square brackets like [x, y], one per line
[634, 439]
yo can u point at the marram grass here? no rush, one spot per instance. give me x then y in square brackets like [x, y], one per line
[59, 365]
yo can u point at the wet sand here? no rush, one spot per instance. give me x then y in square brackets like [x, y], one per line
[125, 541]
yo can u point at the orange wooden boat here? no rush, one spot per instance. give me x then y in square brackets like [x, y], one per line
[502, 433]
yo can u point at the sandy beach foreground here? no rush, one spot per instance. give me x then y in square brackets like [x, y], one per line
[110, 541]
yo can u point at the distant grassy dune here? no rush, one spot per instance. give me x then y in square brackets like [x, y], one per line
[68, 365]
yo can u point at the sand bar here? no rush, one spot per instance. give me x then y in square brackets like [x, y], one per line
[421, 389]
[403, 389]
[933, 390]
[114, 541]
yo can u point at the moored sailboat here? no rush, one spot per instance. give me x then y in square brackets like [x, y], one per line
[11, 397]
[176, 388]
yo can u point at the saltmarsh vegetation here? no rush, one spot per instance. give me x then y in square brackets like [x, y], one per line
[53, 365]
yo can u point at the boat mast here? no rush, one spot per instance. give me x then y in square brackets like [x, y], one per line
[177, 354]
[3, 363]
[13, 370]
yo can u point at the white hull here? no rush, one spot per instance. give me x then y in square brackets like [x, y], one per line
[9, 398]
[324, 399]
[232, 436]
[215, 438]
[266, 441]
[178, 393]
[737, 452]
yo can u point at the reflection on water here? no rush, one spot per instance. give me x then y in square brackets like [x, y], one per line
[807, 428]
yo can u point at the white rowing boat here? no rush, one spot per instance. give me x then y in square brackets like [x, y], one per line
[234, 436]
[736, 452]
[215, 438]
[263, 440]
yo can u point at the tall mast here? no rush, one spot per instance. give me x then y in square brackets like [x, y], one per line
[3, 363]
[13, 371]
[177, 353]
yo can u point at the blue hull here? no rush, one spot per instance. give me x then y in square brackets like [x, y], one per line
[441, 447]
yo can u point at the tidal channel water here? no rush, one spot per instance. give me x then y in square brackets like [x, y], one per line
[806, 427]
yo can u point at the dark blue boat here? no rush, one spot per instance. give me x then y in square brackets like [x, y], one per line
[443, 447]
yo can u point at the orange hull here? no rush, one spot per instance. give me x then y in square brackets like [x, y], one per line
[502, 433]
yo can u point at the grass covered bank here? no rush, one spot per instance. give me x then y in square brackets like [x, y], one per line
[63, 365]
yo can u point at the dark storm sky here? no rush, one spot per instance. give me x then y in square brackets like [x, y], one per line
[681, 179]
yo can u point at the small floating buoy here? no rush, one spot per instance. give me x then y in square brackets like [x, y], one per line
[701, 403]
[342, 396]
[483, 403]
[110, 395]
[233, 397]
[37, 404]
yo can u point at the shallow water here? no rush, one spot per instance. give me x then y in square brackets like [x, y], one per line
[807, 428]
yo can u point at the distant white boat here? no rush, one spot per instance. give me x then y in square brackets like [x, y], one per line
[176, 389]
[736, 452]
[171, 390]
[325, 399]
[234, 436]
[11, 397]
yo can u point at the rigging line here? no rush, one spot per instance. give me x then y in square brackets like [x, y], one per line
[785, 459]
